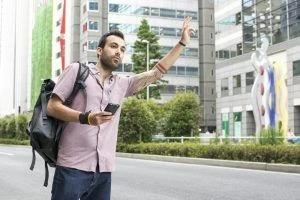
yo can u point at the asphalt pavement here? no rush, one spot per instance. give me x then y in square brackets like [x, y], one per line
[137, 179]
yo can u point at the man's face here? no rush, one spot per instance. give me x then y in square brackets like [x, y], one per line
[112, 54]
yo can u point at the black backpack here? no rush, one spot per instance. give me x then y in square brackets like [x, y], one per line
[45, 131]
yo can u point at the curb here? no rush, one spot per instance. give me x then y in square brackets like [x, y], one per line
[214, 162]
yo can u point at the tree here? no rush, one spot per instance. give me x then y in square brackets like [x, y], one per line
[139, 57]
[183, 115]
[137, 122]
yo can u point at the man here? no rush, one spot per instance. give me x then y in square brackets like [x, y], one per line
[87, 146]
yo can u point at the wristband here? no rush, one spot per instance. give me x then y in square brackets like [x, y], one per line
[181, 43]
[84, 118]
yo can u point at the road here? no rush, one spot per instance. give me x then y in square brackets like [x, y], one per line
[152, 180]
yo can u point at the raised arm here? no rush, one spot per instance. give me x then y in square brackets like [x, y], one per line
[168, 60]
[144, 79]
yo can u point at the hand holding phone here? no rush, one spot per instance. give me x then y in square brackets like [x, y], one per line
[112, 108]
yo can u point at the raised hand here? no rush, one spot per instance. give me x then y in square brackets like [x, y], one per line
[187, 31]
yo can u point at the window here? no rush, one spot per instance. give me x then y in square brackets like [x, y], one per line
[92, 45]
[58, 22]
[155, 11]
[296, 68]
[84, 27]
[57, 38]
[181, 70]
[57, 72]
[93, 25]
[180, 14]
[168, 89]
[58, 55]
[59, 6]
[168, 32]
[113, 8]
[155, 30]
[167, 13]
[249, 78]
[172, 71]
[191, 71]
[191, 52]
[194, 15]
[192, 89]
[128, 67]
[224, 87]
[93, 6]
[237, 81]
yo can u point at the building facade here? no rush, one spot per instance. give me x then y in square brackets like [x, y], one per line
[239, 27]
[14, 56]
[87, 20]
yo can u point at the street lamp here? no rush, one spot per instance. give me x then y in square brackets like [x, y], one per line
[147, 52]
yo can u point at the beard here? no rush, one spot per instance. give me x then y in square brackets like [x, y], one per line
[108, 63]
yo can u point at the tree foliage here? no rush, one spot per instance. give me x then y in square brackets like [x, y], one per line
[139, 57]
[183, 115]
[137, 123]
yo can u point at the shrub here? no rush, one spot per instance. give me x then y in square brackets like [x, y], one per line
[271, 136]
[137, 123]
[256, 153]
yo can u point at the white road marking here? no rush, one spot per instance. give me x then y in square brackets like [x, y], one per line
[7, 154]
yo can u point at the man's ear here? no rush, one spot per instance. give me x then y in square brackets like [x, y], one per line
[99, 51]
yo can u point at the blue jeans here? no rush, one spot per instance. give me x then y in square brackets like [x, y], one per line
[74, 184]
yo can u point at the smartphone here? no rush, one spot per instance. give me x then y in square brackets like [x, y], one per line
[112, 108]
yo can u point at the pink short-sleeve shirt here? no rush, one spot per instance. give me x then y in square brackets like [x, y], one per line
[83, 146]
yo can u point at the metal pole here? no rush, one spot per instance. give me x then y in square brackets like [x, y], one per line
[147, 67]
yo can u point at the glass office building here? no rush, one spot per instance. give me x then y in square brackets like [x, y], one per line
[239, 26]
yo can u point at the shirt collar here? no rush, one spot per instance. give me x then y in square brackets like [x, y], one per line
[94, 70]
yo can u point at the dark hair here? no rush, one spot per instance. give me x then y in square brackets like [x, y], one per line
[102, 40]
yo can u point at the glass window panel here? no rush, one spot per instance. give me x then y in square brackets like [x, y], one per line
[113, 8]
[93, 6]
[167, 31]
[172, 71]
[168, 89]
[128, 67]
[224, 84]
[191, 71]
[92, 45]
[180, 14]
[191, 52]
[119, 68]
[155, 11]
[194, 15]
[141, 11]
[296, 68]
[192, 89]
[250, 78]
[237, 81]
[167, 13]
[155, 30]
[93, 25]
[180, 70]
[180, 88]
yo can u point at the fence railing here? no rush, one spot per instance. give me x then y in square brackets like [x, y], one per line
[206, 139]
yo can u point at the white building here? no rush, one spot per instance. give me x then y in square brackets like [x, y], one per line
[14, 56]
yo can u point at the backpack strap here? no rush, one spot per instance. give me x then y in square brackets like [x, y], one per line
[33, 159]
[46, 175]
[82, 74]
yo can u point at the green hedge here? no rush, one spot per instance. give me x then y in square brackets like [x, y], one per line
[14, 141]
[255, 153]
[14, 127]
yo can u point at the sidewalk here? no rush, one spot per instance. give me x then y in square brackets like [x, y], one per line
[214, 162]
